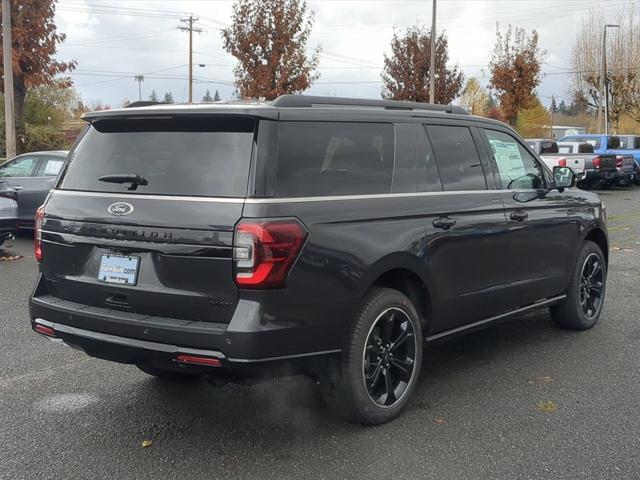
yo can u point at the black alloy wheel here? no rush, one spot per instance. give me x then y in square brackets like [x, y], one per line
[389, 357]
[591, 286]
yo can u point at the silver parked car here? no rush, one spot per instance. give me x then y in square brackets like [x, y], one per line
[31, 175]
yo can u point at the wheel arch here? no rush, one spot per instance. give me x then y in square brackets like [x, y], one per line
[405, 273]
[597, 236]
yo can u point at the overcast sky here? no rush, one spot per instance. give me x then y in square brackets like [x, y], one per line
[113, 40]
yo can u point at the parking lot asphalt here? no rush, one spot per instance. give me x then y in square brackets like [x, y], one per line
[519, 400]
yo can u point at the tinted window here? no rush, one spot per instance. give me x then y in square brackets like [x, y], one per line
[516, 166]
[20, 167]
[318, 158]
[177, 156]
[457, 158]
[415, 169]
[592, 141]
[548, 147]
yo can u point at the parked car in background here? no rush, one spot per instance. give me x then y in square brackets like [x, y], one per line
[610, 144]
[626, 170]
[315, 235]
[590, 168]
[631, 144]
[8, 218]
[32, 176]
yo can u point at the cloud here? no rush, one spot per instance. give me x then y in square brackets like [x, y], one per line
[114, 40]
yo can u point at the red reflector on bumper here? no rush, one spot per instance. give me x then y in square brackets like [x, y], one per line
[45, 330]
[192, 359]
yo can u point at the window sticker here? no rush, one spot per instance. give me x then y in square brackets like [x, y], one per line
[508, 158]
[52, 167]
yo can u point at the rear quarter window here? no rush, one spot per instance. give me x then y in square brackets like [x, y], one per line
[334, 158]
[189, 156]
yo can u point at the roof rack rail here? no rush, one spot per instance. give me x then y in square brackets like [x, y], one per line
[144, 103]
[301, 101]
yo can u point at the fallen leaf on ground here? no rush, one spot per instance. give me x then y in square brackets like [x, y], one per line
[547, 407]
[10, 258]
[146, 443]
[440, 421]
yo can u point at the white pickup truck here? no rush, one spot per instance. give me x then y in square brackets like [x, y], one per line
[590, 168]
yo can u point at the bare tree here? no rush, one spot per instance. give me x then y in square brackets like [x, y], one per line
[623, 64]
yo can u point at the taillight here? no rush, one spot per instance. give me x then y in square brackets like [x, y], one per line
[265, 250]
[562, 162]
[619, 162]
[596, 162]
[37, 233]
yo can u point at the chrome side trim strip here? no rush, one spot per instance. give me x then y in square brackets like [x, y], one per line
[76, 193]
[373, 196]
[486, 321]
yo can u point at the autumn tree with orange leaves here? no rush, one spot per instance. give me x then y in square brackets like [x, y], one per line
[406, 71]
[515, 71]
[35, 43]
[269, 38]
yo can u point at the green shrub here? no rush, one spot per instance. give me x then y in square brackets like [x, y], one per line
[38, 137]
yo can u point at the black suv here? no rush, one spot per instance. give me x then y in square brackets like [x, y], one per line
[323, 236]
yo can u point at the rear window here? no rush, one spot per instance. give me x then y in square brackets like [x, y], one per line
[201, 156]
[595, 142]
[629, 143]
[548, 147]
[324, 158]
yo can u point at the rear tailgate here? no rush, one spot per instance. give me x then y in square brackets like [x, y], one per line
[608, 163]
[162, 247]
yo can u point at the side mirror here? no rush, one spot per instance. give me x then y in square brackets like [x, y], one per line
[563, 177]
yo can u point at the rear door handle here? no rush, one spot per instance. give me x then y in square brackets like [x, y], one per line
[519, 216]
[444, 223]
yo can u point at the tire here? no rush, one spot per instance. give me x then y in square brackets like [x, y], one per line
[343, 380]
[170, 375]
[571, 313]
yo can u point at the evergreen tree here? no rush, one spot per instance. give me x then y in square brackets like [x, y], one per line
[562, 107]
[216, 96]
[168, 97]
[554, 105]
[207, 97]
[154, 96]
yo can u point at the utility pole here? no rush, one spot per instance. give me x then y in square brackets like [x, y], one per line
[551, 126]
[139, 79]
[189, 28]
[604, 84]
[7, 55]
[432, 64]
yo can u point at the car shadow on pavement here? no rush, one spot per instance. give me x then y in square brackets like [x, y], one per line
[290, 409]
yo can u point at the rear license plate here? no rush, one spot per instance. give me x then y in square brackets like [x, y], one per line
[120, 269]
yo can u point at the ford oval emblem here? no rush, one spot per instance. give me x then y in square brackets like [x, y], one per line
[120, 208]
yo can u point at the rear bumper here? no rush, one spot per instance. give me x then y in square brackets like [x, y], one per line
[593, 175]
[141, 339]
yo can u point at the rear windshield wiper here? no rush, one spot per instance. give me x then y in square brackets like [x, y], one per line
[132, 178]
